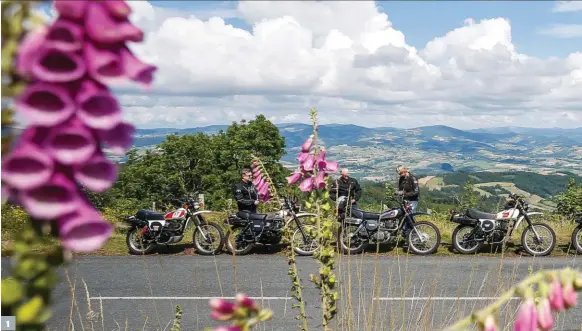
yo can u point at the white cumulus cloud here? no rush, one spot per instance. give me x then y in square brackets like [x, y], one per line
[348, 60]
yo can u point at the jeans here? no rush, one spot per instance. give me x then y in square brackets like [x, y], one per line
[407, 223]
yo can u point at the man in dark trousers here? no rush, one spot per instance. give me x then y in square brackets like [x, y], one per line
[408, 187]
[346, 186]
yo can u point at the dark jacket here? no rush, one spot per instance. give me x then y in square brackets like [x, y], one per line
[345, 187]
[245, 195]
[409, 186]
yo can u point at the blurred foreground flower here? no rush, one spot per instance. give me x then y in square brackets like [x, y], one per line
[557, 291]
[261, 180]
[312, 170]
[244, 312]
[70, 114]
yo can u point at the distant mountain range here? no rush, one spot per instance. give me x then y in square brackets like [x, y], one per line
[373, 153]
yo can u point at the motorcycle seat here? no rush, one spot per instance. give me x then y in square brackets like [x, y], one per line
[476, 214]
[149, 215]
[251, 216]
[358, 213]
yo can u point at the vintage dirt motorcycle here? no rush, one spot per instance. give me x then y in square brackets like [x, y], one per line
[363, 228]
[477, 227]
[149, 228]
[267, 229]
[577, 233]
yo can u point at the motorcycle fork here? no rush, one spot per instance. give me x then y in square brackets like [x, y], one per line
[300, 226]
[198, 220]
[529, 223]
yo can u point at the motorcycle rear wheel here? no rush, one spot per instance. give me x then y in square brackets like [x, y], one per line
[231, 243]
[345, 230]
[198, 234]
[476, 247]
[135, 248]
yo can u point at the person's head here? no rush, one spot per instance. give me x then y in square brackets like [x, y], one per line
[246, 174]
[402, 171]
[345, 173]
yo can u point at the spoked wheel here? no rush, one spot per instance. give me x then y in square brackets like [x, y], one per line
[305, 247]
[542, 246]
[425, 239]
[136, 244]
[577, 239]
[208, 239]
[461, 241]
[236, 246]
[349, 241]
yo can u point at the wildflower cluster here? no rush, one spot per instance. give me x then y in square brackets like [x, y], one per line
[244, 312]
[312, 170]
[70, 114]
[261, 180]
[557, 293]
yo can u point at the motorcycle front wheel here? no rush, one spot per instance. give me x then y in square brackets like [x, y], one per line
[208, 238]
[235, 248]
[547, 236]
[300, 246]
[577, 239]
[137, 246]
[415, 242]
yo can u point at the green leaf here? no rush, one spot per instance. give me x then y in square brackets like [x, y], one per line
[12, 291]
[30, 311]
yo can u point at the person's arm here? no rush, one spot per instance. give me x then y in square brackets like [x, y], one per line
[357, 190]
[240, 197]
[333, 190]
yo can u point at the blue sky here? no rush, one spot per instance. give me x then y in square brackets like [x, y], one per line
[422, 21]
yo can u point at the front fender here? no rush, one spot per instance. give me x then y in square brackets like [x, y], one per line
[202, 212]
[306, 214]
[534, 213]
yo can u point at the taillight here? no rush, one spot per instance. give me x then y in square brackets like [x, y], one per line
[451, 212]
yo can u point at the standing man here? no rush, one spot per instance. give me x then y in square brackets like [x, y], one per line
[408, 187]
[246, 194]
[346, 186]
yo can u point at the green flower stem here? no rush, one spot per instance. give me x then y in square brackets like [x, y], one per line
[519, 289]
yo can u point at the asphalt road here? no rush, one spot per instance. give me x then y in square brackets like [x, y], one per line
[384, 293]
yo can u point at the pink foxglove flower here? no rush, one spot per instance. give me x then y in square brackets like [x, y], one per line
[545, 319]
[307, 184]
[302, 157]
[307, 144]
[556, 296]
[309, 163]
[527, 317]
[294, 178]
[319, 181]
[228, 328]
[490, 324]
[71, 115]
[570, 296]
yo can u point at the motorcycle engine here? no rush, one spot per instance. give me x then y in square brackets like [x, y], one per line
[497, 236]
[381, 236]
[272, 233]
[389, 224]
[487, 225]
[174, 225]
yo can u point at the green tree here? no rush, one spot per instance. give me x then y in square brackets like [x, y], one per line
[570, 201]
[469, 197]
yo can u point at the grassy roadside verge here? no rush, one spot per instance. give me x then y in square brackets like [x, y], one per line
[116, 246]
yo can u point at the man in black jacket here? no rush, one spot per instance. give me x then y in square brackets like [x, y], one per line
[409, 188]
[246, 195]
[346, 186]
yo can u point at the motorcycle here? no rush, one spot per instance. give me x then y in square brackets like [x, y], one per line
[577, 233]
[484, 227]
[247, 231]
[363, 228]
[149, 228]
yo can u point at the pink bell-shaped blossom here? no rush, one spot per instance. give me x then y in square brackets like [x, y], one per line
[71, 143]
[74, 9]
[103, 64]
[527, 317]
[98, 109]
[97, 174]
[309, 163]
[45, 104]
[228, 328]
[135, 69]
[556, 296]
[301, 157]
[65, 35]
[222, 310]
[294, 178]
[257, 179]
[307, 144]
[84, 230]
[319, 182]
[119, 139]
[103, 28]
[570, 296]
[545, 319]
[307, 184]
[27, 167]
[330, 166]
[55, 198]
[490, 324]
[28, 51]
[245, 301]
[53, 65]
